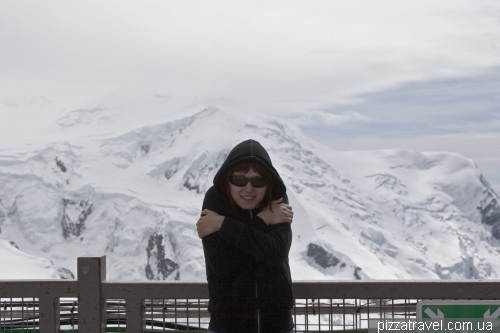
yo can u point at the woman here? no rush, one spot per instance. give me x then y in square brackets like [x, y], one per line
[246, 234]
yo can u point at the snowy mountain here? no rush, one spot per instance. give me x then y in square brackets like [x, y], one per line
[19, 265]
[135, 196]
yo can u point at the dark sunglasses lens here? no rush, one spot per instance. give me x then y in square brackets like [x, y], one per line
[238, 181]
[242, 181]
[259, 182]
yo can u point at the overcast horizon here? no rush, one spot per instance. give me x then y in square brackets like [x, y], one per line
[357, 75]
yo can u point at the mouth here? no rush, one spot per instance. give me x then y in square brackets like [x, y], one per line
[248, 198]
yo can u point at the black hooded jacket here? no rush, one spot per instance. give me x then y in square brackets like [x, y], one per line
[248, 274]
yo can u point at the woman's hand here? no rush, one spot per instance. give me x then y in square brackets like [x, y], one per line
[208, 223]
[281, 213]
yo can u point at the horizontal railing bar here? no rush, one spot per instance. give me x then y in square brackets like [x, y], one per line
[393, 289]
[37, 288]
[400, 289]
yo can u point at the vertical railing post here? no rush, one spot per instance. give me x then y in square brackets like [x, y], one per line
[91, 305]
[49, 313]
[134, 314]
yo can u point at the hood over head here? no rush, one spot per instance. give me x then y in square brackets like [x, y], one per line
[252, 151]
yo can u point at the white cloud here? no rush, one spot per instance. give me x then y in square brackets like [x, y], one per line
[326, 119]
[297, 55]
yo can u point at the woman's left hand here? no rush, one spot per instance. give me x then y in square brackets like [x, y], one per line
[280, 213]
[208, 223]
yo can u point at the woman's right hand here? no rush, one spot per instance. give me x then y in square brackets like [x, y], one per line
[280, 213]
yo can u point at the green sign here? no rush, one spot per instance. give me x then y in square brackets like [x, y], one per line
[480, 312]
[489, 310]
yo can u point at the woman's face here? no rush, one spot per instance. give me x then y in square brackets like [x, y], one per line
[247, 197]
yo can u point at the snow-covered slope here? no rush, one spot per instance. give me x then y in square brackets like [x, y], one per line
[136, 196]
[19, 265]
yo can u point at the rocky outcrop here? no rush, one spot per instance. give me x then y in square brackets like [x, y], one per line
[65, 273]
[158, 266]
[356, 273]
[490, 209]
[145, 149]
[3, 214]
[321, 256]
[61, 165]
[75, 215]
[490, 214]
[171, 171]
[326, 260]
[199, 175]
[168, 168]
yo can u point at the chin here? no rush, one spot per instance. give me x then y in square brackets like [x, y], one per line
[246, 205]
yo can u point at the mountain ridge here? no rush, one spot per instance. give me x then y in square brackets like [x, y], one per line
[135, 196]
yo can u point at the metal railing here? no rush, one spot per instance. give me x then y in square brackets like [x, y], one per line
[92, 304]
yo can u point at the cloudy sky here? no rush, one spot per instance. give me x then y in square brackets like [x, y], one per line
[357, 74]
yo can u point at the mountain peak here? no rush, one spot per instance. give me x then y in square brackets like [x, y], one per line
[136, 196]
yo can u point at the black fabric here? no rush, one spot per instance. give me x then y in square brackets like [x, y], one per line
[247, 261]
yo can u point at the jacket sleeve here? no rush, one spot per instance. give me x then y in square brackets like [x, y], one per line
[220, 255]
[270, 246]
[253, 239]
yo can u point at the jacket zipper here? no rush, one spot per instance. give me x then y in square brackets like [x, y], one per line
[257, 305]
[256, 295]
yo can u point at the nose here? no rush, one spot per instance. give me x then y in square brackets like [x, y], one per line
[248, 187]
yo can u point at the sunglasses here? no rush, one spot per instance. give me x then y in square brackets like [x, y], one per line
[242, 181]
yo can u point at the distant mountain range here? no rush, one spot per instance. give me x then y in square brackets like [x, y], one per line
[136, 196]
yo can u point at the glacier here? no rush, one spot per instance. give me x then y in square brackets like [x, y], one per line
[136, 195]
